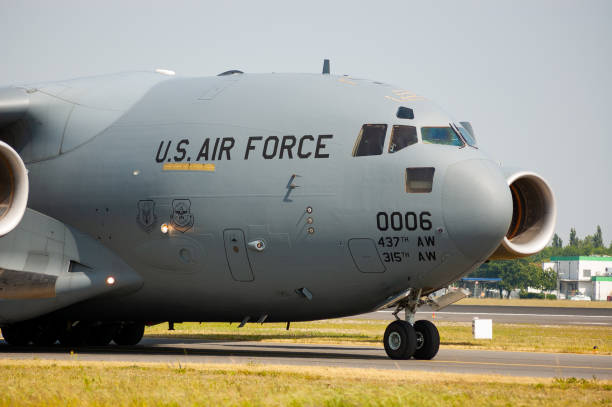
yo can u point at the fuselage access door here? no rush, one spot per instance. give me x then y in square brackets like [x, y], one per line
[237, 255]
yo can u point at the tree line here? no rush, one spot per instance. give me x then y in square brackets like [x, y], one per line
[528, 272]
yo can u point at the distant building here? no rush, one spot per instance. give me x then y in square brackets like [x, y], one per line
[588, 275]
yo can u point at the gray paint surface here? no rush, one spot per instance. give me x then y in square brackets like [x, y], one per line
[119, 184]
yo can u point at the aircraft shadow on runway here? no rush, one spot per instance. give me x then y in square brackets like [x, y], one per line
[237, 336]
[191, 351]
[304, 346]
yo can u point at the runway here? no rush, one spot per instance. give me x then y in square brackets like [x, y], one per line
[173, 350]
[170, 350]
[509, 315]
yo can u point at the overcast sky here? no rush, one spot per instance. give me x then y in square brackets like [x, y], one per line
[533, 77]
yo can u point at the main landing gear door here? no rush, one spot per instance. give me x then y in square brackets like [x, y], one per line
[237, 256]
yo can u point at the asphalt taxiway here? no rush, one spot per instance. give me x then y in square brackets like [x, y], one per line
[509, 315]
[172, 351]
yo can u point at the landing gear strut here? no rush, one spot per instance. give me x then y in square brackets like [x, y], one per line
[406, 339]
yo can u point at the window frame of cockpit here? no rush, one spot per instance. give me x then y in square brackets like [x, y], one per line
[389, 130]
[466, 137]
[393, 126]
[426, 175]
[448, 126]
[360, 137]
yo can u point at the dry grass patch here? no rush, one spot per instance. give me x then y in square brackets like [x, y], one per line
[29, 383]
[514, 337]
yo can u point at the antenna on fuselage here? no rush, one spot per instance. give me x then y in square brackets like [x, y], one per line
[326, 67]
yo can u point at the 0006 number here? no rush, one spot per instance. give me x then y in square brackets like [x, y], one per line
[409, 221]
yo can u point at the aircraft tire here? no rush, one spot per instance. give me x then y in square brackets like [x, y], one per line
[399, 340]
[129, 334]
[19, 334]
[77, 335]
[103, 334]
[427, 340]
[45, 333]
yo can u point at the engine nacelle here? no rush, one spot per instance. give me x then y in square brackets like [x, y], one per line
[14, 188]
[534, 216]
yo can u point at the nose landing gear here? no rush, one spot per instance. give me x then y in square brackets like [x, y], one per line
[427, 340]
[406, 339]
[400, 340]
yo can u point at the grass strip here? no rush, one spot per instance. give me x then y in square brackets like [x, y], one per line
[73, 383]
[348, 331]
[534, 303]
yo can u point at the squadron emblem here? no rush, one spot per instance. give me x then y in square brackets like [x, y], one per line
[182, 218]
[146, 217]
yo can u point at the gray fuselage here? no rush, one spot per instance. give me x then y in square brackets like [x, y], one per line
[232, 161]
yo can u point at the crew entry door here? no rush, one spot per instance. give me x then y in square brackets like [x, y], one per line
[237, 256]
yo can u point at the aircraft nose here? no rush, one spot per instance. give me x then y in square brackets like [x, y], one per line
[477, 207]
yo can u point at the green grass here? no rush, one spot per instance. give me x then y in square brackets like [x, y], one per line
[514, 337]
[535, 303]
[44, 383]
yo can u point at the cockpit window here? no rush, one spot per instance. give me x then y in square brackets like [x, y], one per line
[466, 134]
[440, 135]
[401, 137]
[371, 140]
[404, 113]
[419, 179]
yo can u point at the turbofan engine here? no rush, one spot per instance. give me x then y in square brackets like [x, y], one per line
[533, 217]
[13, 188]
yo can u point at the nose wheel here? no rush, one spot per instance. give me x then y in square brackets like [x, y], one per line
[406, 339]
[400, 340]
[427, 340]
[403, 341]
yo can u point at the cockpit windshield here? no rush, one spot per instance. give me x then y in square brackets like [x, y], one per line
[402, 137]
[441, 135]
[467, 136]
[371, 140]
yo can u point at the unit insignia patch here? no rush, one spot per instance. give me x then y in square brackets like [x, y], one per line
[182, 218]
[146, 217]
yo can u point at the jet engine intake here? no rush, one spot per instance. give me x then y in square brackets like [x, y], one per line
[14, 188]
[534, 214]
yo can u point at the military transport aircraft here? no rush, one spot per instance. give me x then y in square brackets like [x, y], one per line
[144, 197]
